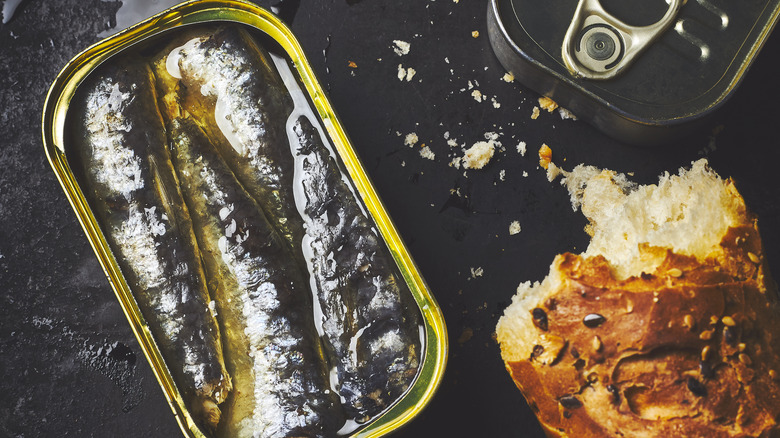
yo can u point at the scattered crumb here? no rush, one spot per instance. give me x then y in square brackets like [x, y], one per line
[566, 114]
[545, 156]
[477, 272]
[508, 77]
[410, 72]
[455, 162]
[502, 175]
[478, 155]
[411, 139]
[407, 74]
[525, 174]
[534, 113]
[477, 95]
[521, 148]
[553, 172]
[514, 228]
[452, 143]
[352, 64]
[475, 33]
[467, 333]
[547, 104]
[426, 152]
[401, 47]
[495, 103]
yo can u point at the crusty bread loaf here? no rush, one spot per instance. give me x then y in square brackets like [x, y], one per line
[666, 326]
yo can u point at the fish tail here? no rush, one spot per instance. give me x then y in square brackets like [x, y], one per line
[208, 413]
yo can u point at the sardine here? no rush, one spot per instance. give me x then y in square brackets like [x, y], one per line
[230, 86]
[370, 322]
[129, 182]
[272, 348]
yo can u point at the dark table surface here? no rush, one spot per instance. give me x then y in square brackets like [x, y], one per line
[69, 364]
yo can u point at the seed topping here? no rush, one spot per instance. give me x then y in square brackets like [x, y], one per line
[697, 388]
[674, 272]
[688, 321]
[593, 320]
[615, 394]
[540, 318]
[570, 402]
[705, 353]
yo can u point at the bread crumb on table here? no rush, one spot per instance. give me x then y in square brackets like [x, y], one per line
[404, 73]
[514, 228]
[401, 47]
[475, 34]
[566, 114]
[547, 104]
[521, 148]
[534, 113]
[508, 77]
[411, 139]
[426, 152]
[545, 156]
[478, 155]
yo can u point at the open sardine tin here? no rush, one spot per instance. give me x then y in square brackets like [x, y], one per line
[62, 145]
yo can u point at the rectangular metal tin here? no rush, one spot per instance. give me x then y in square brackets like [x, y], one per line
[670, 89]
[194, 12]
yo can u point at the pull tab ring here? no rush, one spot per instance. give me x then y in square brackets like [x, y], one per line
[599, 46]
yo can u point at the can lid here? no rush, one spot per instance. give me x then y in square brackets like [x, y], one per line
[647, 63]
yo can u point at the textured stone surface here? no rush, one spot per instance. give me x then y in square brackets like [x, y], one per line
[69, 364]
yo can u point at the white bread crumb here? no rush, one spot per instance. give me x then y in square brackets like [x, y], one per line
[478, 155]
[401, 47]
[514, 228]
[426, 152]
[411, 139]
[566, 114]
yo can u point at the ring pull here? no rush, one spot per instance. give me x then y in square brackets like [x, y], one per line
[600, 46]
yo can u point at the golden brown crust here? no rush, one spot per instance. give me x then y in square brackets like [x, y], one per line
[691, 350]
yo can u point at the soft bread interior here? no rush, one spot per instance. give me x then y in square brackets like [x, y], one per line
[688, 213]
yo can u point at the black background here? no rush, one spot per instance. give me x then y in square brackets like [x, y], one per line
[69, 365]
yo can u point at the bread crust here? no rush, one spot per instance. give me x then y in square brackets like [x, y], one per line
[690, 350]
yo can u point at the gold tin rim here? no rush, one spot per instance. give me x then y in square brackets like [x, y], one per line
[201, 11]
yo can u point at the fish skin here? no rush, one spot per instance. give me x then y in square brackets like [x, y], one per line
[370, 319]
[229, 84]
[129, 182]
[271, 345]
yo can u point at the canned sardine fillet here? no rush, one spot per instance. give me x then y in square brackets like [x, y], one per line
[366, 325]
[129, 181]
[272, 348]
[213, 244]
[228, 83]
